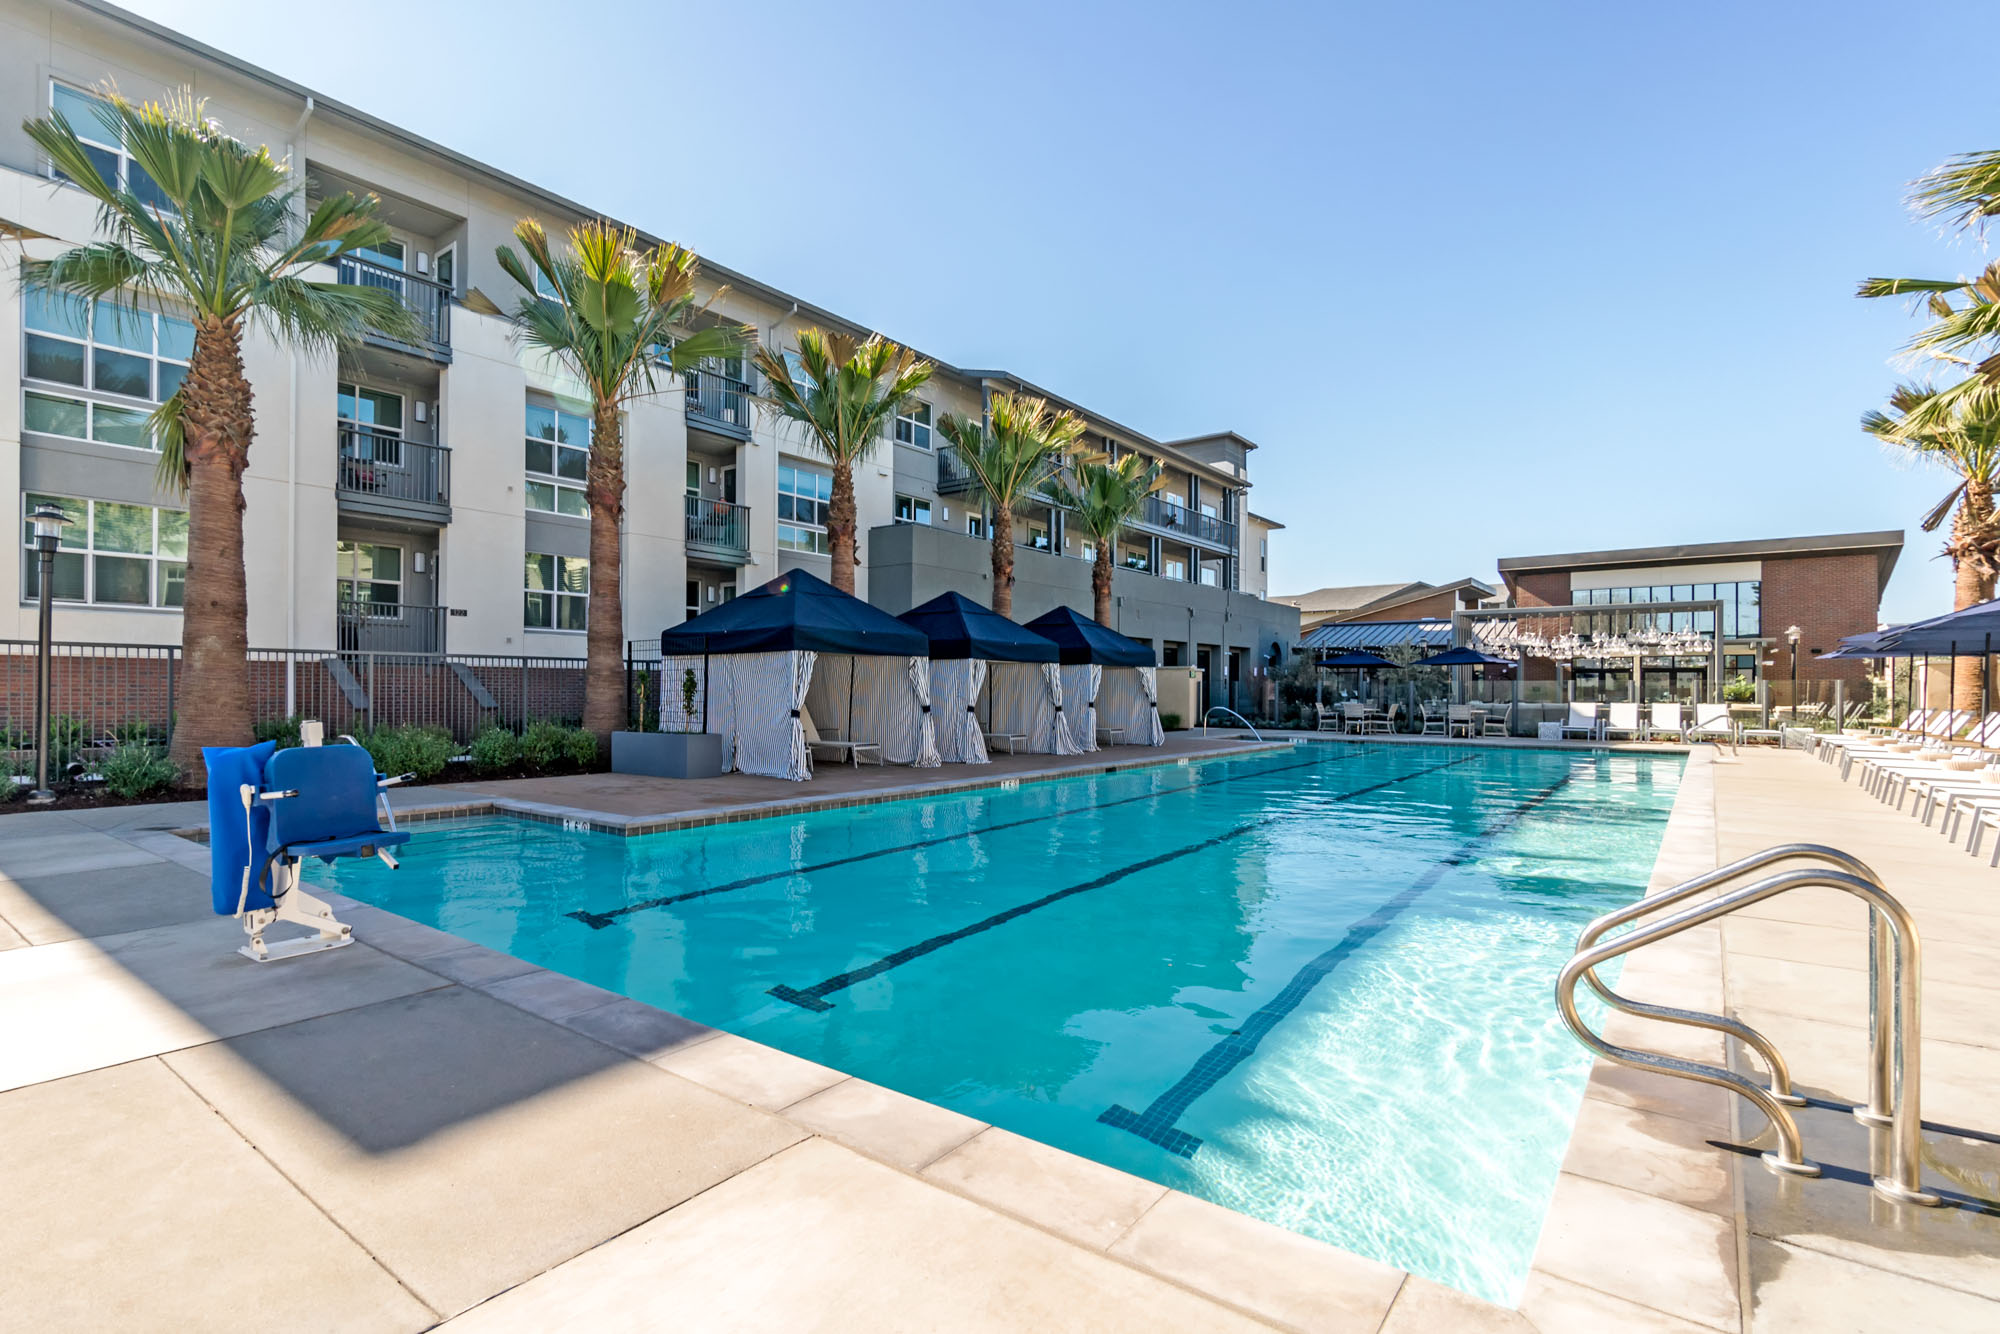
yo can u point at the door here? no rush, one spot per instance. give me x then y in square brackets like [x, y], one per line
[729, 484]
[1206, 661]
[693, 598]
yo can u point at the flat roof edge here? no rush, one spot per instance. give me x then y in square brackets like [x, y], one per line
[1830, 543]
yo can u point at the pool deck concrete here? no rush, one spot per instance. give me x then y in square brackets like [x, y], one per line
[417, 1130]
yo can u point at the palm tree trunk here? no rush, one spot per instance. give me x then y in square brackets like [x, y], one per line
[840, 521]
[212, 695]
[1003, 560]
[1972, 579]
[604, 638]
[1100, 583]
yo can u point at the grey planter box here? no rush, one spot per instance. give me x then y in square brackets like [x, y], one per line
[667, 754]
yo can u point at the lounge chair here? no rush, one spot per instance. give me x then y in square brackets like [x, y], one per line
[851, 751]
[1623, 718]
[1713, 723]
[1665, 719]
[1582, 719]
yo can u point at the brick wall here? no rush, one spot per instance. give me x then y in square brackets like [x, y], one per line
[1543, 589]
[1826, 597]
[1438, 606]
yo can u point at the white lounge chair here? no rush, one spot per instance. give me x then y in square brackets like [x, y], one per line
[1713, 723]
[1664, 719]
[1582, 720]
[1623, 718]
[851, 751]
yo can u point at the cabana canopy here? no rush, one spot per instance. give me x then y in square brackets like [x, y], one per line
[958, 627]
[796, 611]
[1464, 657]
[1355, 660]
[1081, 639]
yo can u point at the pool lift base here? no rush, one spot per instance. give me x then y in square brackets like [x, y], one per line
[296, 906]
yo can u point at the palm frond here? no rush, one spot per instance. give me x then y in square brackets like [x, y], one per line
[853, 388]
[170, 473]
[1965, 190]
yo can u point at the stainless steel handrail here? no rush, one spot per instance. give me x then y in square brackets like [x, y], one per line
[1895, 1041]
[1217, 708]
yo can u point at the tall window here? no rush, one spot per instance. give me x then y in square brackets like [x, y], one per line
[120, 359]
[804, 497]
[558, 450]
[558, 592]
[975, 525]
[1173, 567]
[96, 124]
[111, 554]
[371, 577]
[913, 425]
[913, 509]
[371, 425]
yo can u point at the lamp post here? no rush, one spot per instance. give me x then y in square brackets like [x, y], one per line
[1792, 637]
[49, 521]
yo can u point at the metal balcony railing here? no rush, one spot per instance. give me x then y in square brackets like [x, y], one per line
[718, 526]
[377, 465]
[430, 302]
[715, 399]
[1161, 513]
[952, 474]
[391, 627]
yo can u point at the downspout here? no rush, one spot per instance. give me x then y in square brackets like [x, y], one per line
[292, 485]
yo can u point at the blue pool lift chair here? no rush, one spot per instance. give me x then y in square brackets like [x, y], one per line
[321, 801]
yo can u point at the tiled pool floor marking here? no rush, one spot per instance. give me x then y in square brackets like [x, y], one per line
[814, 997]
[1156, 1123]
[598, 921]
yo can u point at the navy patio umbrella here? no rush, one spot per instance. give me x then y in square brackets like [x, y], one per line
[1464, 657]
[1357, 659]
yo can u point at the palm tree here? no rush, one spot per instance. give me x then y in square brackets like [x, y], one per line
[1012, 455]
[1107, 496]
[1966, 445]
[615, 322]
[843, 391]
[218, 241]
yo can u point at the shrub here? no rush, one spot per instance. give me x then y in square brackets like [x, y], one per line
[67, 737]
[137, 770]
[1739, 690]
[495, 750]
[414, 749]
[580, 747]
[542, 744]
[284, 731]
[1170, 722]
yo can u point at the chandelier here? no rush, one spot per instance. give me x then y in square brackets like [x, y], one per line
[1513, 637]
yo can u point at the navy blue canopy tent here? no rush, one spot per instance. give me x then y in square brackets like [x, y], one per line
[1463, 657]
[797, 665]
[1117, 675]
[1355, 660]
[968, 642]
[1970, 632]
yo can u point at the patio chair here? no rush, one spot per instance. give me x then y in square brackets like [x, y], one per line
[1458, 720]
[1497, 723]
[1665, 719]
[1354, 716]
[1713, 723]
[316, 801]
[851, 751]
[1582, 719]
[1624, 718]
[1434, 723]
[1328, 719]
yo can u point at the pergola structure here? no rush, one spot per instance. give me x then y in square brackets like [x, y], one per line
[1595, 631]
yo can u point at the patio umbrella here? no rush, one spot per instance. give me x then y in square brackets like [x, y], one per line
[1359, 660]
[1463, 657]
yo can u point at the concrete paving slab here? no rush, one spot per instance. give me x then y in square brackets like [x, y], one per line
[58, 853]
[748, 1071]
[117, 998]
[639, 1030]
[1554, 1306]
[126, 1195]
[821, 1238]
[1285, 1278]
[1666, 1256]
[81, 904]
[1656, 1155]
[1424, 1307]
[1795, 1289]
[550, 995]
[470, 1145]
[1087, 1202]
[10, 939]
[475, 965]
[885, 1124]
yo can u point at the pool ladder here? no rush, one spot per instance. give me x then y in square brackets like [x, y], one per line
[1894, 1039]
[1217, 708]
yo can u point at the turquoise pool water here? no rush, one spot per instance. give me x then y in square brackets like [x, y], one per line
[1313, 985]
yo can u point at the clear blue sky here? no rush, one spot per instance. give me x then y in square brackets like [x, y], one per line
[1482, 280]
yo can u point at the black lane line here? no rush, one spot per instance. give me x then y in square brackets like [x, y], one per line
[598, 921]
[813, 997]
[1156, 1123]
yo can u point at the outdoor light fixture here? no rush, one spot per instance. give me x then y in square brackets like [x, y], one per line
[1792, 637]
[49, 520]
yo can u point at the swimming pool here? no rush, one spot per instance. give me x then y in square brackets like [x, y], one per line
[1312, 984]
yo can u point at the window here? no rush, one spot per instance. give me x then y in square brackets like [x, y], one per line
[558, 448]
[804, 496]
[558, 592]
[1089, 549]
[371, 428]
[1211, 575]
[913, 425]
[96, 124]
[111, 554]
[445, 268]
[975, 525]
[913, 509]
[1173, 567]
[1038, 536]
[1263, 554]
[693, 478]
[370, 577]
[106, 349]
[1134, 558]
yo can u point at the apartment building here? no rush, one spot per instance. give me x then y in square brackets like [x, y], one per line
[427, 497]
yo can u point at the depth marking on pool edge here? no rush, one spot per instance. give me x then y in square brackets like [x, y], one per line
[598, 921]
[813, 997]
[1156, 1123]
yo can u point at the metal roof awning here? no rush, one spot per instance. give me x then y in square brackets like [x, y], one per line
[1377, 635]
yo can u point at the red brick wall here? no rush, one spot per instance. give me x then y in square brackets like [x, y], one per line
[1438, 606]
[1826, 597]
[1544, 589]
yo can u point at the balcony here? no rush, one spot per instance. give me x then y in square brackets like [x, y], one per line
[718, 531]
[393, 478]
[717, 402]
[430, 302]
[953, 476]
[1167, 517]
[377, 627]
